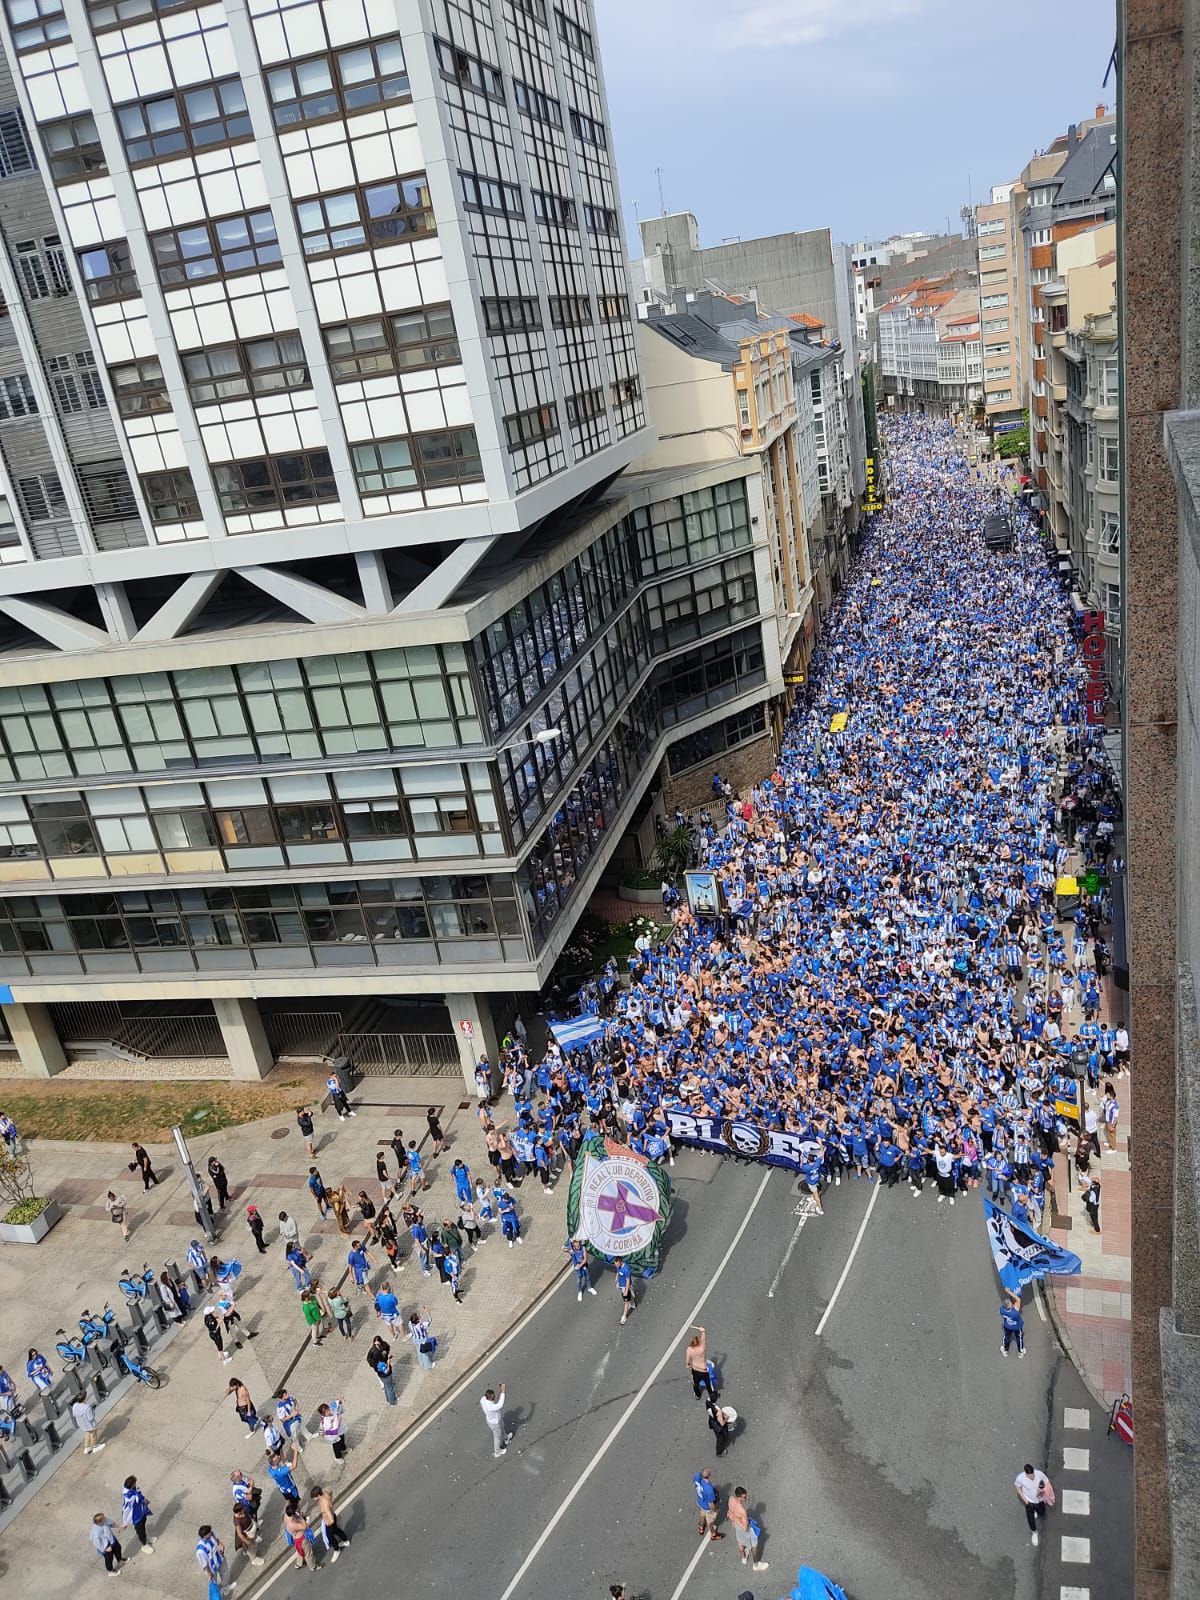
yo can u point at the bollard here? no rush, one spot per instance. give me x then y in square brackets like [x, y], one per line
[50, 1405]
[28, 1430]
[52, 1438]
[137, 1317]
[139, 1341]
[100, 1384]
[26, 1463]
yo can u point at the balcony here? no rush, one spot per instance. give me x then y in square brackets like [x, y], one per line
[1040, 406]
[1039, 369]
[1059, 391]
[1041, 255]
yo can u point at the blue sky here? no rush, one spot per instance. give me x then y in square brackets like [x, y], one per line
[865, 116]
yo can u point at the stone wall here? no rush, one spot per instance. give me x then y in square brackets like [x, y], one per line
[744, 766]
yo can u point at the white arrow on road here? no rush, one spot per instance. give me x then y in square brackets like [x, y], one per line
[804, 1210]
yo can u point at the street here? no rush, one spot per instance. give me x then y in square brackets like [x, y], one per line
[882, 1452]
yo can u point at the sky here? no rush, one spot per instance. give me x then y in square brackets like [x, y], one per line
[868, 117]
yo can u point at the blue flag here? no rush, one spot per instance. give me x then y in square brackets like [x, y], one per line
[1020, 1254]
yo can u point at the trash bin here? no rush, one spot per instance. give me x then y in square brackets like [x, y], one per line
[341, 1068]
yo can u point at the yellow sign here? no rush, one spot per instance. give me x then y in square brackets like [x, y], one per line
[794, 677]
[1071, 1108]
[838, 721]
[876, 583]
[872, 497]
[1067, 886]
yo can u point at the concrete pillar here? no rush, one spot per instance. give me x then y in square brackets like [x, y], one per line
[250, 1056]
[36, 1040]
[479, 1038]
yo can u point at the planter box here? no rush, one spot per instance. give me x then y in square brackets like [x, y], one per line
[640, 897]
[31, 1232]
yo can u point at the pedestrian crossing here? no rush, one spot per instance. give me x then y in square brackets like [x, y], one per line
[1075, 1548]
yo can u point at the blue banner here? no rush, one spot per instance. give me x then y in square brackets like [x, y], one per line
[1020, 1254]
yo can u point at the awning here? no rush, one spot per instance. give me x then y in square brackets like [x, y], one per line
[576, 1033]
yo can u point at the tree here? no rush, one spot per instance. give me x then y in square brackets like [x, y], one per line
[674, 852]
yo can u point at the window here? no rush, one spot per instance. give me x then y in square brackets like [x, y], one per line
[570, 310]
[600, 219]
[73, 147]
[615, 308]
[588, 130]
[585, 407]
[625, 392]
[215, 249]
[378, 214]
[75, 382]
[1040, 236]
[533, 8]
[35, 23]
[427, 460]
[572, 34]
[1110, 460]
[996, 395]
[1110, 602]
[193, 119]
[63, 827]
[170, 496]
[275, 483]
[398, 343]
[527, 427]
[543, 107]
[511, 316]
[991, 252]
[1110, 383]
[1110, 533]
[996, 225]
[107, 272]
[355, 79]
[489, 194]
[117, 13]
[255, 366]
[553, 208]
[993, 302]
[107, 496]
[42, 267]
[41, 497]
[1041, 197]
[140, 387]
[17, 398]
[16, 154]
[472, 73]
[996, 325]
[743, 400]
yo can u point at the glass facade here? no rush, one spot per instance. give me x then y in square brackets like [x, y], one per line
[411, 699]
[710, 742]
[387, 922]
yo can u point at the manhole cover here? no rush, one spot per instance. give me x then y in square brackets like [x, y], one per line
[280, 1133]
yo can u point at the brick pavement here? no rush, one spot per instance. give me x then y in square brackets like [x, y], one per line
[182, 1440]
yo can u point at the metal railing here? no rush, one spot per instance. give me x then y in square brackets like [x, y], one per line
[303, 1033]
[386, 1054]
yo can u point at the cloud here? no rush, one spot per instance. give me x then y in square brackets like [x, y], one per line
[772, 24]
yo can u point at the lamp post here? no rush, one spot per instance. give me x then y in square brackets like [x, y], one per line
[544, 736]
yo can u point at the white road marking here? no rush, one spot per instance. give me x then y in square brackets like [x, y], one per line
[1077, 1417]
[691, 1567]
[465, 1382]
[1076, 1460]
[804, 1210]
[862, 1228]
[1072, 1591]
[671, 1350]
[1076, 1503]
[1077, 1550]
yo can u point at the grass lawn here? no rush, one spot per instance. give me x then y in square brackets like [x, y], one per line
[147, 1111]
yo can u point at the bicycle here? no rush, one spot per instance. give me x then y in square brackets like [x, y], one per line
[136, 1287]
[139, 1370]
[96, 1327]
[11, 1410]
[74, 1352]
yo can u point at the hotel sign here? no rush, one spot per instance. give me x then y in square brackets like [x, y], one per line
[1095, 689]
[873, 500]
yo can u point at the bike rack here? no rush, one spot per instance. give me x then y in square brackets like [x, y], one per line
[52, 1438]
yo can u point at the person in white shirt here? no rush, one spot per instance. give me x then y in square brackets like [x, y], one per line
[1091, 1126]
[492, 1405]
[1031, 1486]
[1121, 1047]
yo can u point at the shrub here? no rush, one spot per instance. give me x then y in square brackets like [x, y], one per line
[28, 1210]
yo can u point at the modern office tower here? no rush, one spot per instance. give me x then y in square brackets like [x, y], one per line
[317, 365]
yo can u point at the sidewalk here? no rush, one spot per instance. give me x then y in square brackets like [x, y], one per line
[183, 1440]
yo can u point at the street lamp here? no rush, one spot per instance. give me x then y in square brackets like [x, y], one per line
[543, 736]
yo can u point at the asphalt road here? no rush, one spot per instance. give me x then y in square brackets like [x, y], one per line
[882, 1452]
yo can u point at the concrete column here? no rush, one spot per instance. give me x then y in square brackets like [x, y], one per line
[476, 1010]
[36, 1041]
[241, 1027]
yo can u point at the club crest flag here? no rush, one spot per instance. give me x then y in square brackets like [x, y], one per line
[619, 1204]
[1020, 1254]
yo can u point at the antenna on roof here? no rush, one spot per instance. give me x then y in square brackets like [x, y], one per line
[662, 204]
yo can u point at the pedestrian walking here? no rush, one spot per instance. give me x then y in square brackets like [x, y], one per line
[212, 1323]
[424, 1343]
[296, 1261]
[297, 1532]
[460, 1174]
[106, 1544]
[708, 1503]
[257, 1227]
[417, 1181]
[246, 1535]
[438, 1138]
[579, 1263]
[202, 1205]
[316, 1187]
[37, 1369]
[289, 1230]
[454, 1275]
[333, 1535]
[1091, 1203]
[625, 1290]
[695, 1359]
[141, 1163]
[720, 1422]
[400, 1150]
[220, 1181]
[379, 1359]
[313, 1318]
[244, 1406]
[746, 1530]
[247, 1496]
[84, 1413]
[304, 1121]
[381, 1172]
[492, 1405]
[197, 1259]
[280, 1473]
[287, 1414]
[231, 1319]
[210, 1557]
[387, 1309]
[510, 1222]
[337, 1097]
[1111, 1114]
[1035, 1493]
[360, 1264]
[169, 1297]
[340, 1201]
[339, 1307]
[332, 1426]
[1012, 1323]
[135, 1512]
[366, 1206]
[117, 1210]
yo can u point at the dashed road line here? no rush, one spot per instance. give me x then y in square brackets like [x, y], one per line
[1076, 1459]
[1077, 1417]
[1076, 1550]
[1076, 1503]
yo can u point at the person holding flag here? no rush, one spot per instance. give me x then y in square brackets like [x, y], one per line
[1013, 1324]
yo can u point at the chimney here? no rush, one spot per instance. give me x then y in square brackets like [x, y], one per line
[1101, 110]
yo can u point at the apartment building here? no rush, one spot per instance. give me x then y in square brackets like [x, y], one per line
[1000, 255]
[929, 346]
[335, 653]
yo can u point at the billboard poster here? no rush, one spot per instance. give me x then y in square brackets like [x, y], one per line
[703, 893]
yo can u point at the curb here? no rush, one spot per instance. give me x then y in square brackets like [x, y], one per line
[1067, 1345]
[346, 1491]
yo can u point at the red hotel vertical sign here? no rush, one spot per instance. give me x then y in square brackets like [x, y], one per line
[1095, 687]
